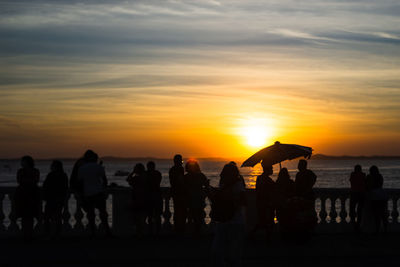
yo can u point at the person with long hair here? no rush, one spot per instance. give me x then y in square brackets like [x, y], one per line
[196, 185]
[285, 190]
[230, 231]
[27, 196]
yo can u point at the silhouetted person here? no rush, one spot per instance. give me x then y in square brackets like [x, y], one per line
[92, 177]
[55, 189]
[285, 190]
[304, 205]
[305, 180]
[156, 203]
[140, 196]
[222, 180]
[265, 192]
[74, 183]
[27, 195]
[195, 184]
[374, 184]
[229, 234]
[357, 195]
[176, 180]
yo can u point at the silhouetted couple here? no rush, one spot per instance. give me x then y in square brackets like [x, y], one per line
[368, 200]
[146, 197]
[291, 201]
[27, 197]
[188, 193]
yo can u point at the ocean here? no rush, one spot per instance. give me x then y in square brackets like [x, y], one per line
[331, 173]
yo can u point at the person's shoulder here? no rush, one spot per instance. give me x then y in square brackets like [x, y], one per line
[239, 186]
[310, 172]
[64, 175]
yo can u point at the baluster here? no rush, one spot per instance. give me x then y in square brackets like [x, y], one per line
[13, 227]
[79, 227]
[38, 226]
[101, 225]
[167, 212]
[333, 213]
[323, 214]
[66, 215]
[109, 208]
[2, 215]
[343, 213]
[395, 212]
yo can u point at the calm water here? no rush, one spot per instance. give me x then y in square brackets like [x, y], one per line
[331, 173]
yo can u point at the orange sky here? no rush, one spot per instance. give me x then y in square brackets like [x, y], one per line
[219, 79]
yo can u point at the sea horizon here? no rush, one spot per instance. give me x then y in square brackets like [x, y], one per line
[133, 158]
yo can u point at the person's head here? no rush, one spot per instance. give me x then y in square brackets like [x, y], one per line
[178, 161]
[90, 156]
[283, 174]
[27, 162]
[267, 168]
[357, 168]
[302, 165]
[151, 166]
[374, 170]
[230, 174]
[139, 169]
[192, 166]
[57, 166]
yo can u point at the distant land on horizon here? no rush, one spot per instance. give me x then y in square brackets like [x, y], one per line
[314, 157]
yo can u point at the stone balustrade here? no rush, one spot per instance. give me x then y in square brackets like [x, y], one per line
[331, 205]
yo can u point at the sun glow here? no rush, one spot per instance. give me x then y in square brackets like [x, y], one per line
[256, 136]
[257, 133]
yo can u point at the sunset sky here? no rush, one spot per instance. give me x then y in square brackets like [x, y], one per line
[201, 78]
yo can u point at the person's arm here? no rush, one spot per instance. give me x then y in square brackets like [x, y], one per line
[19, 176]
[65, 183]
[314, 178]
[172, 178]
[45, 187]
[159, 178]
[37, 176]
[104, 177]
[206, 182]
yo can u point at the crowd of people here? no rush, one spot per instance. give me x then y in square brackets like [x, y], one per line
[291, 202]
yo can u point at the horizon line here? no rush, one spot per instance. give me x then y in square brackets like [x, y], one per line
[316, 156]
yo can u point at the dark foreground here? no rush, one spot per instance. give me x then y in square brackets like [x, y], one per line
[322, 250]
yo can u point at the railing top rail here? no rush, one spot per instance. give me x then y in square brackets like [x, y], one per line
[10, 189]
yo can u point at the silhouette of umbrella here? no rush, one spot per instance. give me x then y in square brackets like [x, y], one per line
[277, 153]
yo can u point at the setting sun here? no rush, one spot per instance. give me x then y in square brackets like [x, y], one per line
[256, 136]
[256, 132]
